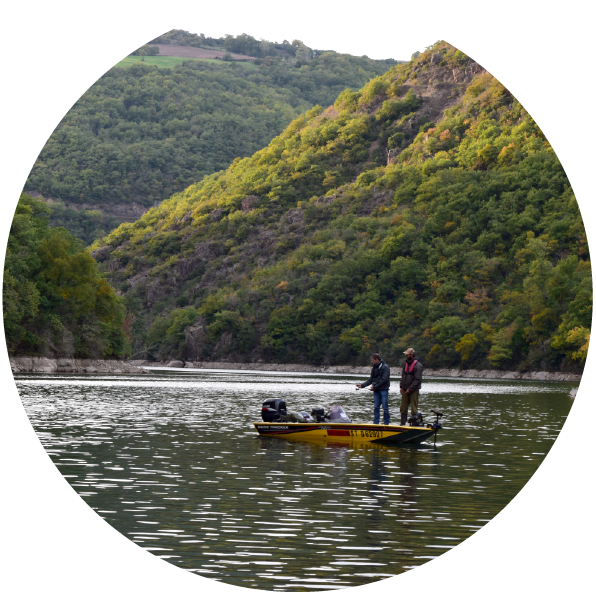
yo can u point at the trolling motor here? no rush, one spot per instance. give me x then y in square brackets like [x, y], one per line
[436, 425]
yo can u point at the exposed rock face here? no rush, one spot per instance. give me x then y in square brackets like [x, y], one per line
[206, 251]
[22, 364]
[249, 202]
[156, 291]
[472, 70]
[140, 278]
[440, 88]
[223, 343]
[294, 216]
[101, 254]
[113, 265]
[392, 154]
[379, 198]
[184, 267]
[195, 337]
[125, 212]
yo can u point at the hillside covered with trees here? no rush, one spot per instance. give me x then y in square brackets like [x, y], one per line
[425, 209]
[142, 132]
[55, 302]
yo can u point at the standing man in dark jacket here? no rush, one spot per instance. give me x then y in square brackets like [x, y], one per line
[409, 386]
[379, 383]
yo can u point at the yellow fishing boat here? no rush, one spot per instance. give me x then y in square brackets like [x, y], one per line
[336, 427]
[345, 432]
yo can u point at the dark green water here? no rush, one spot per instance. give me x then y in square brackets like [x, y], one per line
[172, 461]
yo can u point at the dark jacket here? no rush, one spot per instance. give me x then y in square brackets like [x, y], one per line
[379, 377]
[413, 379]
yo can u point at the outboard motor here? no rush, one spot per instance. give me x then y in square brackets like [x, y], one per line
[318, 414]
[273, 410]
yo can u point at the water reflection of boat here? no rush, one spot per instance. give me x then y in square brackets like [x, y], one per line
[336, 428]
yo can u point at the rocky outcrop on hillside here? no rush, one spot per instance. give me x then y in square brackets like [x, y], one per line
[125, 212]
[440, 87]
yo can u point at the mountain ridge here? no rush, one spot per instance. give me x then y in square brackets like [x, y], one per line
[143, 132]
[403, 170]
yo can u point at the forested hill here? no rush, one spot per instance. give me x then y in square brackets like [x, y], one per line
[143, 132]
[426, 209]
[55, 302]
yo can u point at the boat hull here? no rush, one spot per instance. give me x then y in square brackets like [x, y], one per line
[345, 432]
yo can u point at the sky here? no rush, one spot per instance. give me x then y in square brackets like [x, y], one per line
[53, 51]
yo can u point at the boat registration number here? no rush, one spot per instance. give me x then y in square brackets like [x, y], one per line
[371, 434]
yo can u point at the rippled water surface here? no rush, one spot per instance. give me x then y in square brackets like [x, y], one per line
[172, 461]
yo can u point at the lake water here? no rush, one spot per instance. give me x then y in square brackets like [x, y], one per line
[172, 461]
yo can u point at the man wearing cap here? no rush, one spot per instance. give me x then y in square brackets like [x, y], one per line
[409, 386]
[379, 383]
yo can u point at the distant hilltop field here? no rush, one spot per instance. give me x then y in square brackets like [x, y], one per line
[196, 53]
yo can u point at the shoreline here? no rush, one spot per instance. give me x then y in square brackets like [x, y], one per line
[21, 364]
[364, 370]
[26, 364]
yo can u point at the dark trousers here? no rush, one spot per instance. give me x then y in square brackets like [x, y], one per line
[407, 400]
[381, 398]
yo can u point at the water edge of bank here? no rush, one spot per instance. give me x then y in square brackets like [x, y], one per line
[23, 364]
[363, 370]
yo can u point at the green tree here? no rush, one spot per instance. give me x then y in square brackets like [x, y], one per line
[55, 300]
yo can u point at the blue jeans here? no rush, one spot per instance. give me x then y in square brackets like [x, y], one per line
[381, 397]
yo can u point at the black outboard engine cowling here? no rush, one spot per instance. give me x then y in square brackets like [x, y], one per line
[273, 409]
[318, 414]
